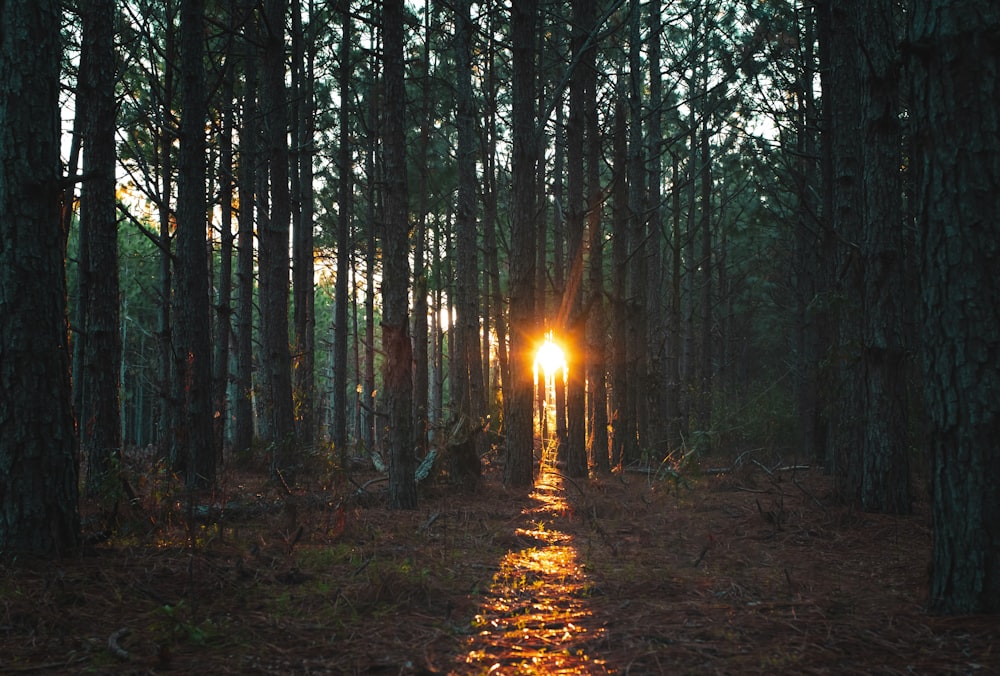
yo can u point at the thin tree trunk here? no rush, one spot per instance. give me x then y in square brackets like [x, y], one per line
[885, 485]
[274, 243]
[519, 470]
[193, 320]
[398, 366]
[100, 433]
[303, 270]
[344, 211]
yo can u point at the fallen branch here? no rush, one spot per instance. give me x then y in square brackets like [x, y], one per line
[115, 647]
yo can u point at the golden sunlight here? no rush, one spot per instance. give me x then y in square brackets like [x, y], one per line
[550, 358]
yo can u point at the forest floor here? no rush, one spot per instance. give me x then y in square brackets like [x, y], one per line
[686, 571]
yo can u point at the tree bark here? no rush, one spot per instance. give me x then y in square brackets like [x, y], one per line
[885, 480]
[38, 463]
[273, 266]
[519, 469]
[303, 269]
[467, 383]
[100, 412]
[193, 322]
[954, 89]
[398, 366]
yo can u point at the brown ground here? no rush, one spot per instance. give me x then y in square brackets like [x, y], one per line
[749, 571]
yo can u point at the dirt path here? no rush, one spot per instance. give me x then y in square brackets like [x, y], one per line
[536, 617]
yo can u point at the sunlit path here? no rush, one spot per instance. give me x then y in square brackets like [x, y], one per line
[536, 619]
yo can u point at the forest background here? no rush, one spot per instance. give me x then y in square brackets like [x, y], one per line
[341, 230]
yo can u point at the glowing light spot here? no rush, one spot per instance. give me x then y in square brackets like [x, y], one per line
[550, 358]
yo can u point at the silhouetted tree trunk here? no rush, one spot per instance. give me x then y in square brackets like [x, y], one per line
[635, 302]
[463, 459]
[421, 364]
[597, 397]
[224, 280]
[243, 427]
[954, 89]
[398, 366]
[842, 180]
[193, 322]
[345, 207]
[519, 470]
[273, 265]
[100, 412]
[622, 420]
[571, 323]
[303, 273]
[169, 404]
[885, 485]
[38, 448]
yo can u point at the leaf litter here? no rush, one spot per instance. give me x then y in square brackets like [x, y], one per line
[753, 570]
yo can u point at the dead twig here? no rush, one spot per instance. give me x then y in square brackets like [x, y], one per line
[114, 644]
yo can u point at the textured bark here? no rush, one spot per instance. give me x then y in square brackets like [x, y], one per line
[519, 470]
[885, 480]
[100, 409]
[38, 464]
[570, 323]
[622, 420]
[467, 382]
[274, 232]
[398, 366]
[243, 427]
[193, 321]
[954, 88]
[344, 208]
[841, 110]
[303, 272]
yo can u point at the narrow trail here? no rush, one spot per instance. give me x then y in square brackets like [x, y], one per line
[536, 618]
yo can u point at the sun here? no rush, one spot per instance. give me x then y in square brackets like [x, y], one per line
[550, 358]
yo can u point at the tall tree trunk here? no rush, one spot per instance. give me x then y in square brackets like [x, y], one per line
[303, 271]
[398, 366]
[885, 483]
[571, 323]
[597, 397]
[954, 90]
[622, 420]
[273, 264]
[224, 282]
[636, 320]
[519, 470]
[100, 413]
[193, 321]
[38, 463]
[840, 80]
[464, 466]
[243, 423]
[345, 207]
[169, 403]
[421, 366]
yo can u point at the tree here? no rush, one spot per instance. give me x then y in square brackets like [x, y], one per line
[274, 231]
[467, 384]
[885, 475]
[398, 368]
[243, 429]
[344, 207]
[518, 398]
[303, 250]
[842, 180]
[38, 464]
[953, 85]
[100, 412]
[194, 329]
